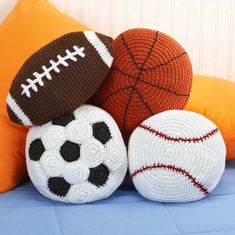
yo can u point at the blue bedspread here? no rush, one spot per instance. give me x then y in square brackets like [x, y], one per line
[24, 211]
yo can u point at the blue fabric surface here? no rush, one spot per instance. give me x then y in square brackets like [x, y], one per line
[24, 211]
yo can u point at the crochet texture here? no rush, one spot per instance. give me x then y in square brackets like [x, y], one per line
[59, 77]
[77, 158]
[150, 73]
[176, 156]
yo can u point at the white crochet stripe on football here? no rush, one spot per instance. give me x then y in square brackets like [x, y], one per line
[16, 109]
[176, 156]
[32, 83]
[57, 151]
[100, 47]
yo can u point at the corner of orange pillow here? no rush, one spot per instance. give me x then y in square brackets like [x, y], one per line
[214, 98]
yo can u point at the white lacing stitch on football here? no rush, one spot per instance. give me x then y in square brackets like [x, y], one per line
[32, 84]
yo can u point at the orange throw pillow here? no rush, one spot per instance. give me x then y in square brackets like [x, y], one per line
[215, 99]
[31, 25]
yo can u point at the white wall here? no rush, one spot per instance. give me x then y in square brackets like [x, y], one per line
[206, 28]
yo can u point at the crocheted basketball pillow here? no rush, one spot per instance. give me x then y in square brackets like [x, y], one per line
[77, 158]
[59, 77]
[151, 73]
[176, 156]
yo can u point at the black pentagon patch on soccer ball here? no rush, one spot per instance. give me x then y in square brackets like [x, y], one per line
[99, 175]
[101, 132]
[64, 120]
[59, 186]
[70, 151]
[36, 149]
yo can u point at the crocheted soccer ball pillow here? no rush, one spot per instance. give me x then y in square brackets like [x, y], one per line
[176, 156]
[77, 158]
[150, 73]
[68, 69]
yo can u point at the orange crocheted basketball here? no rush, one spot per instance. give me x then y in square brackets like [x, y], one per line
[151, 73]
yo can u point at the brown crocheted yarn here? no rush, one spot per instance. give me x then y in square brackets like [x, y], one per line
[151, 73]
[59, 77]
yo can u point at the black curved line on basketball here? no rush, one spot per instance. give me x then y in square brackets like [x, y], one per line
[114, 93]
[150, 84]
[144, 102]
[161, 65]
[164, 89]
[129, 51]
[118, 70]
[141, 70]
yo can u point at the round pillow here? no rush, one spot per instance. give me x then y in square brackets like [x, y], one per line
[150, 73]
[176, 156]
[77, 158]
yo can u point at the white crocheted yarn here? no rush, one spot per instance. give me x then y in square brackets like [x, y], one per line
[78, 158]
[176, 156]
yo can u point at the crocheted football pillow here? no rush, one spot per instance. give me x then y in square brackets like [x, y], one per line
[77, 158]
[59, 77]
[151, 73]
[176, 156]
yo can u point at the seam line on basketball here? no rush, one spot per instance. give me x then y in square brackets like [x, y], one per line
[164, 89]
[114, 93]
[178, 139]
[129, 51]
[176, 169]
[143, 101]
[140, 72]
[167, 62]
[150, 84]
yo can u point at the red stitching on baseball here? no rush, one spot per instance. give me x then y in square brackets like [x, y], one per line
[178, 139]
[185, 173]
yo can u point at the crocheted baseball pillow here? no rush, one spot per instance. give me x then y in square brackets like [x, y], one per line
[151, 73]
[176, 156]
[77, 158]
[59, 77]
